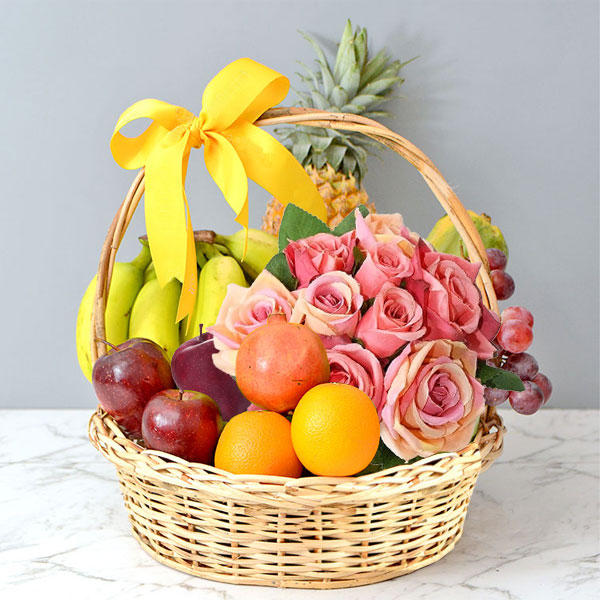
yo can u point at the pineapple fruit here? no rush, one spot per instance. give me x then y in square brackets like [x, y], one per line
[336, 160]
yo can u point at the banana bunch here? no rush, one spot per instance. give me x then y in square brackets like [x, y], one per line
[126, 283]
[138, 307]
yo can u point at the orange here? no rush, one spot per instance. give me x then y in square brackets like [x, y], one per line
[335, 430]
[258, 443]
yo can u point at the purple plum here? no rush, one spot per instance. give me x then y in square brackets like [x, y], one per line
[193, 369]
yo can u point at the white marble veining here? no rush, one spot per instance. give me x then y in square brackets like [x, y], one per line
[532, 530]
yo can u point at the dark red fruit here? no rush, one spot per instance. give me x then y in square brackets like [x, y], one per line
[193, 369]
[514, 336]
[494, 396]
[127, 377]
[496, 259]
[519, 313]
[544, 384]
[504, 284]
[528, 401]
[524, 365]
[185, 424]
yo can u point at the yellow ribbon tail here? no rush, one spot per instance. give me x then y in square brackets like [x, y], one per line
[274, 167]
[166, 207]
[226, 168]
[187, 300]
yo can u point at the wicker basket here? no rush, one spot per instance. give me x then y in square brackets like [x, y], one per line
[312, 532]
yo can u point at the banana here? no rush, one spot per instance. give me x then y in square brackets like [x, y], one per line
[126, 282]
[216, 275]
[262, 247]
[149, 273]
[154, 312]
[445, 238]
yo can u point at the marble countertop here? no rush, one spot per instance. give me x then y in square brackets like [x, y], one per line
[532, 530]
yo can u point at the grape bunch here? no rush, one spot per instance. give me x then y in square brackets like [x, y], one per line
[504, 284]
[514, 338]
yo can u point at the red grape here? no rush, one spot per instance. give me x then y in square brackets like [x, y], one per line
[544, 384]
[496, 259]
[514, 336]
[519, 313]
[494, 396]
[504, 284]
[529, 401]
[524, 365]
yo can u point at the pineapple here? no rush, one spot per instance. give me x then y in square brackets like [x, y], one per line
[336, 160]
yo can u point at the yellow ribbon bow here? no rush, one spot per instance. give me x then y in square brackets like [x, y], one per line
[234, 149]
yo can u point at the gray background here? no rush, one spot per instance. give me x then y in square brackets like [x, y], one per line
[503, 98]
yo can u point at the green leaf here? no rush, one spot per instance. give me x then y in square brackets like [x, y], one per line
[320, 142]
[351, 79]
[343, 53]
[335, 154]
[338, 97]
[385, 459]
[367, 100]
[278, 266]
[297, 224]
[319, 101]
[379, 86]
[359, 258]
[349, 222]
[498, 378]
[374, 67]
[361, 48]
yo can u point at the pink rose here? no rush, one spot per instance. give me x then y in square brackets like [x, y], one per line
[384, 263]
[433, 399]
[330, 305]
[385, 229]
[444, 285]
[354, 365]
[242, 311]
[385, 260]
[318, 254]
[394, 319]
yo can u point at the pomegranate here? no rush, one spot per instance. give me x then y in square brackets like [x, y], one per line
[279, 362]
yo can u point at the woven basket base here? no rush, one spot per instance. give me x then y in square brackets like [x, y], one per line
[312, 561]
[380, 574]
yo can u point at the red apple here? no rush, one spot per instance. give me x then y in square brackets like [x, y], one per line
[127, 377]
[186, 424]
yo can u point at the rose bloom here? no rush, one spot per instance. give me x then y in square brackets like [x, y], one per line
[330, 305]
[357, 366]
[318, 254]
[386, 258]
[388, 228]
[433, 400]
[242, 311]
[444, 285]
[384, 263]
[394, 319]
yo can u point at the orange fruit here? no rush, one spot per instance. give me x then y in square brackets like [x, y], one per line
[335, 430]
[258, 443]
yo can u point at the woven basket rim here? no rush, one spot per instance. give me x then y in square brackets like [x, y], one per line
[107, 437]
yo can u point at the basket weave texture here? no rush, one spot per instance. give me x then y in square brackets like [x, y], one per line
[312, 532]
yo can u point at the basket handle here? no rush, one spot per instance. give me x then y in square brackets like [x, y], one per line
[311, 118]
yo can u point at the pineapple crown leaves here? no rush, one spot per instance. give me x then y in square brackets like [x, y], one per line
[356, 84]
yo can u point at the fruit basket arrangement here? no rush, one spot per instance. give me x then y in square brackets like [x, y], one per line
[328, 425]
